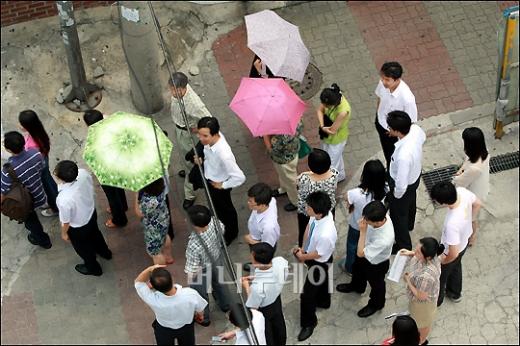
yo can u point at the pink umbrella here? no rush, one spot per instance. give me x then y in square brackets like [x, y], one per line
[268, 106]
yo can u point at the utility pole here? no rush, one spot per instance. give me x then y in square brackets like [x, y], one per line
[141, 48]
[79, 95]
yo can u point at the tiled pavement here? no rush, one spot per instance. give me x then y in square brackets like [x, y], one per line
[50, 303]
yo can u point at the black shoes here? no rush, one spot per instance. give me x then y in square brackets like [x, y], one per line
[82, 269]
[276, 193]
[107, 256]
[33, 241]
[182, 173]
[347, 288]
[305, 333]
[367, 311]
[188, 203]
[290, 207]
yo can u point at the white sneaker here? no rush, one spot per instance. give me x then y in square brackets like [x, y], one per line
[49, 212]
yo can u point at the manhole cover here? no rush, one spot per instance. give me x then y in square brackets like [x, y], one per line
[310, 85]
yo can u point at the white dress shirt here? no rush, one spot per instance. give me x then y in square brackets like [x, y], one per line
[172, 311]
[258, 322]
[322, 237]
[76, 200]
[379, 242]
[402, 99]
[268, 284]
[220, 164]
[264, 226]
[195, 109]
[405, 165]
[457, 224]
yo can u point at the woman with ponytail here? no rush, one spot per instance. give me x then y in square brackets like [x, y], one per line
[36, 138]
[334, 116]
[423, 283]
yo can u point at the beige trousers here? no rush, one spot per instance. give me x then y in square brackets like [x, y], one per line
[287, 176]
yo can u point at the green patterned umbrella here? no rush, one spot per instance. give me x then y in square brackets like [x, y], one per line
[122, 152]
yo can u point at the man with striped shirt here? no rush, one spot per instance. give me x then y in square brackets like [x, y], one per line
[27, 165]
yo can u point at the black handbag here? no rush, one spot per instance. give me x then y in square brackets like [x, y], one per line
[326, 123]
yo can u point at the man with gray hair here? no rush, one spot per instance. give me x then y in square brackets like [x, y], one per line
[195, 110]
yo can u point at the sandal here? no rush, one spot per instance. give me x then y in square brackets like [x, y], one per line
[110, 224]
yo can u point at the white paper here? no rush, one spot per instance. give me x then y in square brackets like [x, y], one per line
[129, 14]
[397, 269]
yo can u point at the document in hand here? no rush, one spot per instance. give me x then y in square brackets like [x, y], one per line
[397, 269]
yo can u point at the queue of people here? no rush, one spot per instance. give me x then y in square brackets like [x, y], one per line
[382, 208]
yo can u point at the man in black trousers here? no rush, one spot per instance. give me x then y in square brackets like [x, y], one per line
[77, 210]
[222, 173]
[319, 242]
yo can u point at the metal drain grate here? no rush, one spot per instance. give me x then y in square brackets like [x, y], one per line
[437, 175]
[497, 164]
[504, 162]
[310, 85]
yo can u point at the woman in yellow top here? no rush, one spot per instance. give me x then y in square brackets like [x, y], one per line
[334, 137]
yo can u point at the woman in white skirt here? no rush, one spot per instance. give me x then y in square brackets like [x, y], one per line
[334, 116]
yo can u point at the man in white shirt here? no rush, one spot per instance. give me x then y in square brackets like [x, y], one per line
[319, 242]
[463, 207]
[174, 306]
[78, 217]
[405, 173]
[264, 290]
[393, 95]
[222, 173]
[243, 332]
[263, 222]
[373, 257]
[195, 110]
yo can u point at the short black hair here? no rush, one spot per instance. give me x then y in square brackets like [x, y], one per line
[399, 121]
[66, 170]
[261, 193]
[262, 252]
[14, 142]
[320, 202]
[319, 161]
[392, 69]
[331, 96]
[444, 192]
[161, 280]
[92, 116]
[178, 80]
[237, 316]
[199, 215]
[210, 123]
[374, 211]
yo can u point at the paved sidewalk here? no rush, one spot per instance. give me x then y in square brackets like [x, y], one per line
[451, 67]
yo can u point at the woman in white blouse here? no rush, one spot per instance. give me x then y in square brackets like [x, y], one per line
[474, 172]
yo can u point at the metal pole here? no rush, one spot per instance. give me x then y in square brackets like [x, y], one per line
[79, 95]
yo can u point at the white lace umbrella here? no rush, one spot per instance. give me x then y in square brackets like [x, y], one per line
[278, 43]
